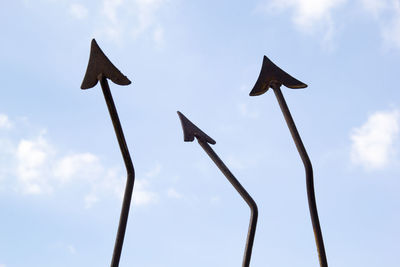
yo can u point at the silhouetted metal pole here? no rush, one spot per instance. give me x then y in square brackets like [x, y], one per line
[272, 76]
[100, 69]
[190, 132]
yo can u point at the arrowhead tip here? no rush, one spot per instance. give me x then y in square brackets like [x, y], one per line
[190, 131]
[100, 64]
[270, 74]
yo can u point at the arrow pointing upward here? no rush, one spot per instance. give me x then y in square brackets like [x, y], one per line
[100, 64]
[272, 76]
[100, 69]
[190, 131]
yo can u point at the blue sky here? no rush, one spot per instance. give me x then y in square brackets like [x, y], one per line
[62, 175]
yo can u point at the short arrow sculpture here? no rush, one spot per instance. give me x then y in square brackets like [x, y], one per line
[191, 131]
[272, 76]
[100, 69]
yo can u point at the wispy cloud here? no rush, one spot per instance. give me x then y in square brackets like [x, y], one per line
[78, 11]
[375, 7]
[158, 36]
[387, 14]
[80, 165]
[90, 200]
[373, 142]
[5, 123]
[131, 18]
[391, 29]
[317, 16]
[310, 16]
[155, 171]
[32, 158]
[71, 249]
[172, 193]
[117, 20]
[40, 169]
[247, 112]
[143, 196]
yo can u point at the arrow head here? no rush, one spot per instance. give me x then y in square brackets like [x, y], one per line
[190, 131]
[271, 75]
[100, 64]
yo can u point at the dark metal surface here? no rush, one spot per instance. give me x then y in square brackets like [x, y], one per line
[274, 77]
[272, 73]
[190, 131]
[99, 63]
[100, 67]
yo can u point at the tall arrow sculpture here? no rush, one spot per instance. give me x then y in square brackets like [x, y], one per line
[100, 69]
[272, 76]
[190, 131]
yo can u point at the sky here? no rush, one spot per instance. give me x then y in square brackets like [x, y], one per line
[62, 175]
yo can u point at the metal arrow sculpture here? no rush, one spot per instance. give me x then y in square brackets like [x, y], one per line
[191, 131]
[272, 76]
[100, 69]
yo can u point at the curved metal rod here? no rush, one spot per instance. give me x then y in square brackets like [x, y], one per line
[309, 175]
[129, 169]
[249, 200]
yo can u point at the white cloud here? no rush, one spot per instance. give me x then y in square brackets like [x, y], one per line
[78, 11]
[84, 165]
[373, 142]
[146, 14]
[40, 170]
[309, 12]
[387, 14]
[33, 166]
[391, 29]
[5, 123]
[32, 158]
[316, 16]
[310, 15]
[110, 9]
[134, 18]
[2, 265]
[141, 195]
[172, 193]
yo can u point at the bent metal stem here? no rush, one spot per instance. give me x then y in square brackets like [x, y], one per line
[309, 176]
[100, 69]
[190, 132]
[272, 76]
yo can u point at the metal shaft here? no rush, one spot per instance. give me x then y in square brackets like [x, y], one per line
[249, 200]
[309, 175]
[129, 169]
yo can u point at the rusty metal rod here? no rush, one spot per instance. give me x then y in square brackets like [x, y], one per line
[240, 189]
[130, 180]
[309, 175]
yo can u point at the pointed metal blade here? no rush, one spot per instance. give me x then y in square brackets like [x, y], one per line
[100, 64]
[271, 73]
[190, 131]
